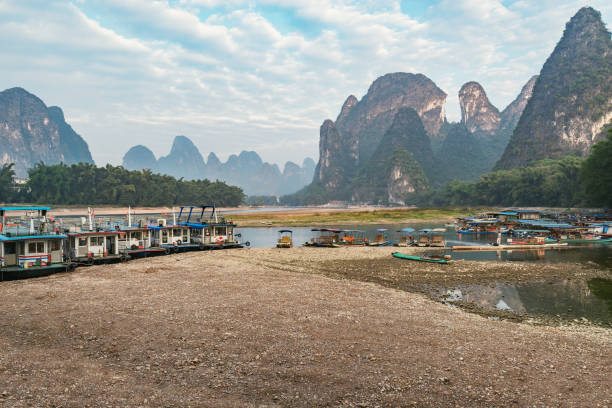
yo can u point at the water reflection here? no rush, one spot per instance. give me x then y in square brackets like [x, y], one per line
[567, 298]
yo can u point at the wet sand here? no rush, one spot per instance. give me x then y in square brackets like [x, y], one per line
[300, 327]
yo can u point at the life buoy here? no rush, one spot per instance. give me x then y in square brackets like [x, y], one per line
[179, 242]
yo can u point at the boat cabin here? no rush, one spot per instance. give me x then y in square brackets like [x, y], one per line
[406, 237]
[209, 229]
[285, 239]
[30, 241]
[327, 237]
[353, 237]
[170, 236]
[94, 246]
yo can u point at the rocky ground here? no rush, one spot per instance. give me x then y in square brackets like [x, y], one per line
[267, 327]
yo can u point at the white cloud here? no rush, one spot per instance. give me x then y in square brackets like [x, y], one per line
[227, 75]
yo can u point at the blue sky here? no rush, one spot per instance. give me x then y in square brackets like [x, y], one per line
[259, 75]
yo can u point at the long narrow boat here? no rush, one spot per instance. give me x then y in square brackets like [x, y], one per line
[418, 258]
[505, 247]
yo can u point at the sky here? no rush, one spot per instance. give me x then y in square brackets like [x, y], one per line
[237, 75]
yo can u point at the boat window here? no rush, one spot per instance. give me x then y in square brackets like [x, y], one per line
[36, 247]
[55, 245]
[207, 232]
[97, 241]
[138, 235]
[82, 242]
[176, 232]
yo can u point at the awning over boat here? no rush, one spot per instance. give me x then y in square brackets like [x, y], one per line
[25, 208]
[285, 230]
[407, 230]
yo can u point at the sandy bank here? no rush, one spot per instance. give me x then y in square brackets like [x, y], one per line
[247, 328]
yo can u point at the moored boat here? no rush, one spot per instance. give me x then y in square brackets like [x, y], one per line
[419, 258]
[31, 245]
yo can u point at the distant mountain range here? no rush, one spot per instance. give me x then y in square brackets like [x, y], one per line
[396, 140]
[31, 132]
[246, 170]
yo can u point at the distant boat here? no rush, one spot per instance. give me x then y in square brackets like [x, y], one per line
[285, 239]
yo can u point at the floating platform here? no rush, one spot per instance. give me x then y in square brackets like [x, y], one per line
[506, 247]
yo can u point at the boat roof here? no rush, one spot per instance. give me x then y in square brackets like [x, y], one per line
[31, 208]
[285, 230]
[406, 230]
[75, 234]
[327, 230]
[19, 238]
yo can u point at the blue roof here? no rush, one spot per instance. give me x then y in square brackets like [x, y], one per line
[24, 208]
[406, 230]
[5, 238]
[508, 213]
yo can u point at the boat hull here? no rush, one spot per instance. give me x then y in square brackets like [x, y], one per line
[399, 255]
[17, 273]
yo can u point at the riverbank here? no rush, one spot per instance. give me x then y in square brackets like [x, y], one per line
[293, 217]
[350, 216]
[286, 328]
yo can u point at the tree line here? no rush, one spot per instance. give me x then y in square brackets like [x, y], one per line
[86, 184]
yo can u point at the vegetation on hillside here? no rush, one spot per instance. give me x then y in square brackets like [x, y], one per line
[87, 184]
[596, 173]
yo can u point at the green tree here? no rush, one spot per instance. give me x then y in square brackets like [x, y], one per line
[596, 174]
[7, 179]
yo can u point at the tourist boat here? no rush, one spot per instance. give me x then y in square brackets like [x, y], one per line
[406, 238]
[381, 239]
[91, 247]
[136, 242]
[209, 229]
[328, 238]
[420, 258]
[285, 239]
[174, 238]
[437, 237]
[353, 238]
[31, 245]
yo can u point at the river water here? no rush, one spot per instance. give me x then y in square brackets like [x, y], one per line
[573, 299]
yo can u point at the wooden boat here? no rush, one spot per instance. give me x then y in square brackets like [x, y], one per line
[285, 239]
[353, 238]
[381, 239]
[419, 258]
[328, 238]
[406, 238]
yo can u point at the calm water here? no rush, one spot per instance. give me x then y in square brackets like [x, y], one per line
[568, 299]
[600, 254]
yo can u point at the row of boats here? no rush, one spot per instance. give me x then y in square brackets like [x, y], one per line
[532, 227]
[32, 243]
[334, 238]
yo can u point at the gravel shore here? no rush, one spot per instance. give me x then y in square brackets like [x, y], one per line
[299, 327]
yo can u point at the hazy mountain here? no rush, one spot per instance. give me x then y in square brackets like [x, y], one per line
[184, 160]
[396, 167]
[140, 157]
[245, 170]
[367, 121]
[572, 97]
[30, 132]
